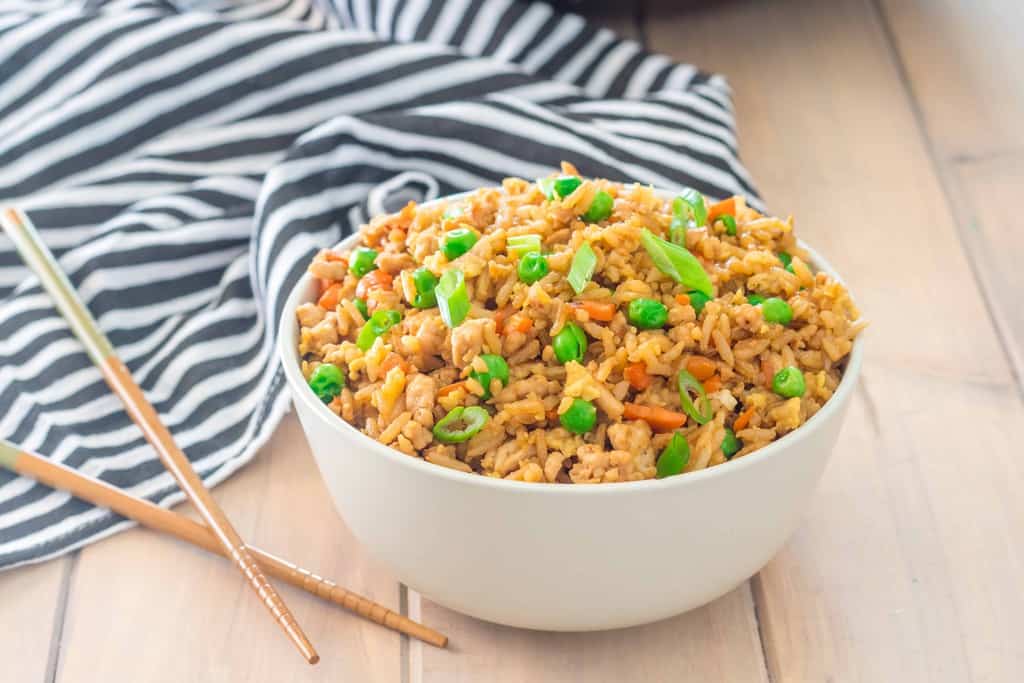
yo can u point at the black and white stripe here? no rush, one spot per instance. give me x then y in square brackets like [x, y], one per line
[184, 159]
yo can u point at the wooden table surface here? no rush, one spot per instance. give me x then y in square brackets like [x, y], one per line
[894, 131]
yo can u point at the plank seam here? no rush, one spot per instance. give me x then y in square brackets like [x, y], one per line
[756, 596]
[60, 617]
[942, 174]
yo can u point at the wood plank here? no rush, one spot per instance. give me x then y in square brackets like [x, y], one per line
[148, 608]
[718, 642]
[994, 232]
[963, 60]
[904, 569]
[29, 611]
[970, 90]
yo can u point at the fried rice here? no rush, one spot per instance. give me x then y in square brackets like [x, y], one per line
[402, 385]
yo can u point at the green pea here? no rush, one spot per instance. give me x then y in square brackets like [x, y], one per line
[600, 208]
[360, 305]
[647, 314]
[698, 300]
[580, 418]
[532, 267]
[497, 368]
[775, 310]
[730, 444]
[364, 259]
[787, 260]
[674, 458]
[730, 224]
[570, 343]
[425, 282]
[789, 382]
[327, 381]
[457, 242]
[755, 299]
[566, 185]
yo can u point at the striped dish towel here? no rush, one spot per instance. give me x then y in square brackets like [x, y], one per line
[185, 159]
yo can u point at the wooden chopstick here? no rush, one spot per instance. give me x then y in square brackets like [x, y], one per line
[58, 476]
[39, 259]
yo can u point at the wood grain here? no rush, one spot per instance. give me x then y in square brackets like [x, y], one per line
[29, 611]
[903, 567]
[970, 95]
[144, 607]
[962, 59]
[718, 642]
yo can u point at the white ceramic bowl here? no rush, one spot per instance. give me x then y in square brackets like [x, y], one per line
[563, 557]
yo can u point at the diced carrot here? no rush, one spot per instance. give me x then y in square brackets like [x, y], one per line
[445, 390]
[683, 299]
[322, 284]
[602, 311]
[499, 319]
[519, 323]
[659, 419]
[700, 367]
[712, 384]
[743, 420]
[329, 299]
[636, 375]
[375, 279]
[767, 372]
[726, 206]
[393, 360]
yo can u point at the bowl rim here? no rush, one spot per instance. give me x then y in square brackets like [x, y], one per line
[286, 345]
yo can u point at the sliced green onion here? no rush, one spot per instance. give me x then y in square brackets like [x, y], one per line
[730, 444]
[677, 230]
[682, 218]
[327, 381]
[364, 260]
[457, 242]
[691, 204]
[380, 322]
[580, 418]
[700, 410]
[452, 297]
[566, 185]
[425, 282]
[755, 299]
[676, 262]
[497, 368]
[547, 187]
[730, 224]
[532, 267]
[600, 207]
[360, 305]
[674, 458]
[460, 424]
[570, 343]
[519, 245]
[789, 382]
[582, 269]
